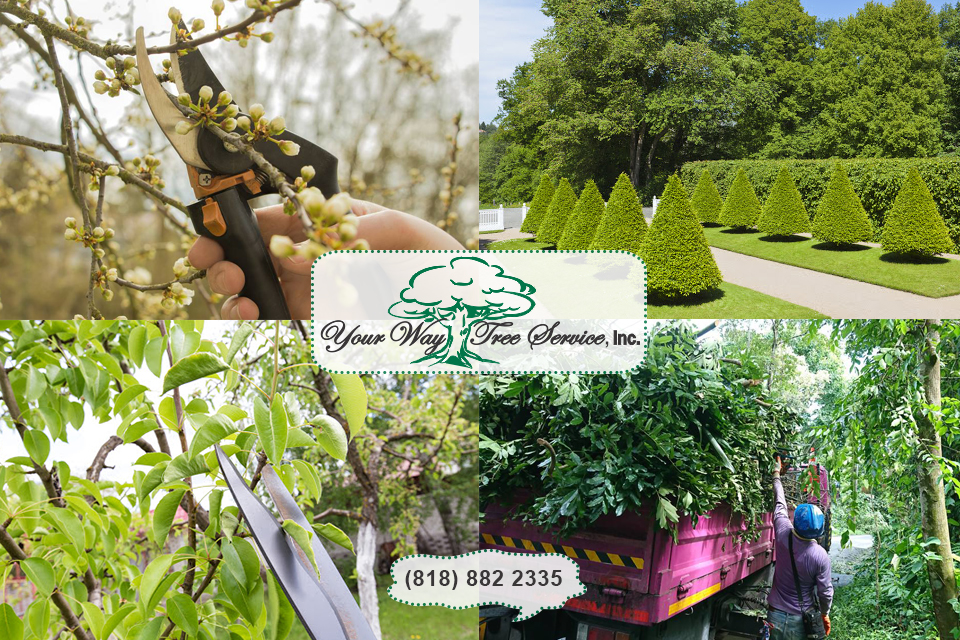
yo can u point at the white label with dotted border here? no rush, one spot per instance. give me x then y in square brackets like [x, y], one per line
[530, 582]
[487, 312]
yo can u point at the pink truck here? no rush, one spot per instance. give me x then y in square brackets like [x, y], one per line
[643, 584]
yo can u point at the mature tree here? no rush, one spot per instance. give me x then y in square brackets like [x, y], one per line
[493, 146]
[881, 85]
[950, 32]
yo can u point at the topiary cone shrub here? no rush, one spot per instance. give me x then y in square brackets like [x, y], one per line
[741, 209]
[841, 218]
[623, 226]
[582, 223]
[561, 206]
[706, 201]
[914, 226]
[539, 205]
[679, 262]
[783, 213]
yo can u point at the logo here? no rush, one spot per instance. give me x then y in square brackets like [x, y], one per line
[453, 296]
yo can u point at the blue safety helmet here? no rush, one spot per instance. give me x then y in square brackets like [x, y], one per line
[808, 521]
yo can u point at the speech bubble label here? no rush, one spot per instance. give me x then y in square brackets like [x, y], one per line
[530, 582]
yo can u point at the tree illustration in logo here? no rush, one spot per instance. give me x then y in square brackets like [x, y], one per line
[457, 296]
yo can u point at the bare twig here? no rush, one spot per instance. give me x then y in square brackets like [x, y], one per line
[337, 512]
[162, 286]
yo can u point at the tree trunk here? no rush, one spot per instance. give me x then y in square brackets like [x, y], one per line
[636, 153]
[933, 510]
[450, 528]
[653, 149]
[366, 575]
[459, 333]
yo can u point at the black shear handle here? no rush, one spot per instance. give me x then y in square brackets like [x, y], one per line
[243, 245]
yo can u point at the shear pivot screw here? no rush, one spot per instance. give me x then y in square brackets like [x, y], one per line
[205, 179]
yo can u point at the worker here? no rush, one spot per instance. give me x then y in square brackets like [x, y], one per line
[812, 564]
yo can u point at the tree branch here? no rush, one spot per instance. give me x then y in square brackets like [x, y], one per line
[337, 512]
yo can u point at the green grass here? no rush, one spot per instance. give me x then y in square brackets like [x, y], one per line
[519, 244]
[487, 205]
[485, 232]
[728, 301]
[405, 622]
[933, 277]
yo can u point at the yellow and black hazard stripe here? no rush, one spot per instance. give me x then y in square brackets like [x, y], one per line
[582, 554]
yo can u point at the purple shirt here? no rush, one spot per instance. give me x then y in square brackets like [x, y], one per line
[813, 565]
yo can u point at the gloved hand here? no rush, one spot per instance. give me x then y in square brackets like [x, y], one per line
[826, 624]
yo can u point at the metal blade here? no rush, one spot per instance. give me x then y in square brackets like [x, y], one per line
[351, 618]
[164, 109]
[303, 590]
[190, 71]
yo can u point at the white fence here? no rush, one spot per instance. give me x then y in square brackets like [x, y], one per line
[656, 201]
[491, 219]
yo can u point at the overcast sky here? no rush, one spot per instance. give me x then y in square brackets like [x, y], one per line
[510, 27]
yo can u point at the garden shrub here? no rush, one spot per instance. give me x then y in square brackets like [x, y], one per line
[841, 218]
[706, 200]
[582, 224]
[623, 226]
[876, 180]
[913, 225]
[783, 212]
[561, 205]
[675, 251]
[538, 208]
[742, 207]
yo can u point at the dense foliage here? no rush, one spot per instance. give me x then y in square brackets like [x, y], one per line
[783, 213]
[582, 224]
[741, 208]
[913, 225]
[876, 181]
[678, 260]
[539, 206]
[623, 225]
[840, 217]
[679, 436]
[561, 206]
[706, 200]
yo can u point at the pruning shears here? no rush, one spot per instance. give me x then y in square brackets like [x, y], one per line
[224, 181]
[324, 604]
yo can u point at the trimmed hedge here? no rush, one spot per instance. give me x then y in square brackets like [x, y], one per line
[841, 218]
[783, 213]
[538, 208]
[562, 203]
[706, 200]
[876, 180]
[623, 225]
[914, 225]
[582, 223]
[675, 251]
[742, 207]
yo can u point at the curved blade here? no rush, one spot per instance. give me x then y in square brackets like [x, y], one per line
[164, 109]
[332, 584]
[190, 71]
[303, 589]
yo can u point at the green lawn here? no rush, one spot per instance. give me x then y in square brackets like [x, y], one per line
[729, 301]
[935, 277]
[405, 622]
[520, 244]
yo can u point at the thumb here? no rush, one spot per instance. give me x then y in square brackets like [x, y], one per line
[296, 264]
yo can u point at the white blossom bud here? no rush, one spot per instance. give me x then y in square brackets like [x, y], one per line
[107, 295]
[100, 87]
[168, 303]
[361, 245]
[281, 246]
[228, 124]
[129, 79]
[197, 25]
[339, 205]
[112, 275]
[231, 111]
[267, 36]
[69, 234]
[112, 170]
[206, 93]
[289, 148]
[184, 99]
[100, 75]
[70, 222]
[277, 125]
[99, 253]
[244, 123]
[347, 231]
[217, 7]
[111, 63]
[312, 200]
[174, 15]
[184, 127]
[180, 268]
[307, 172]
[224, 99]
[129, 63]
[256, 111]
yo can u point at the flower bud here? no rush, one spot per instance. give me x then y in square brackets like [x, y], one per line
[197, 24]
[70, 234]
[361, 245]
[136, 75]
[174, 15]
[217, 7]
[166, 64]
[224, 99]
[347, 231]
[243, 43]
[99, 253]
[184, 127]
[70, 222]
[111, 63]
[112, 170]
[350, 218]
[289, 148]
[267, 37]
[168, 303]
[307, 172]
[231, 111]
[312, 200]
[109, 233]
[100, 87]
[277, 125]
[228, 124]
[206, 93]
[176, 288]
[244, 123]
[256, 111]
[180, 268]
[184, 99]
[100, 75]
[129, 63]
[281, 246]
[98, 232]
[115, 84]
[112, 275]
[107, 295]
[339, 205]
[129, 79]
[253, 4]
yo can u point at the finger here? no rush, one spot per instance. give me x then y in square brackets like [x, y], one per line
[273, 222]
[237, 308]
[295, 265]
[363, 207]
[204, 253]
[226, 278]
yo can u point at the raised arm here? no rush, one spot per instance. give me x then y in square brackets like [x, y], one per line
[781, 519]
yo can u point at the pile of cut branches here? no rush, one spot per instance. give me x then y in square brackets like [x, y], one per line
[680, 435]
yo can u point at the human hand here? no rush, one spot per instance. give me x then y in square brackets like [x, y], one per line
[382, 228]
[826, 624]
[779, 468]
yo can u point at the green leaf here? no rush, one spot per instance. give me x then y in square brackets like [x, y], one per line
[11, 627]
[153, 353]
[153, 629]
[240, 597]
[353, 397]
[163, 515]
[36, 384]
[299, 438]
[216, 428]
[302, 537]
[69, 525]
[136, 342]
[116, 618]
[242, 561]
[94, 617]
[183, 467]
[168, 413]
[216, 499]
[280, 611]
[38, 617]
[151, 459]
[153, 479]
[40, 573]
[334, 535]
[183, 343]
[139, 429]
[310, 477]
[239, 339]
[152, 577]
[332, 437]
[193, 367]
[183, 611]
[272, 440]
[37, 444]
[127, 396]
